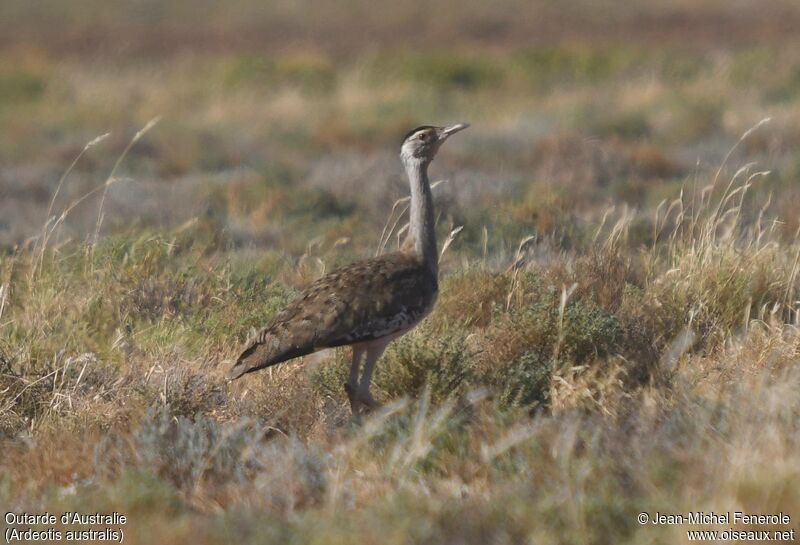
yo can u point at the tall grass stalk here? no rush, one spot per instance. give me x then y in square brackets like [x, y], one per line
[41, 247]
[111, 178]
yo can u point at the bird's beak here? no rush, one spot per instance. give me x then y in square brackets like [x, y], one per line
[452, 130]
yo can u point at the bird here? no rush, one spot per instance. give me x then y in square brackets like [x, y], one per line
[368, 303]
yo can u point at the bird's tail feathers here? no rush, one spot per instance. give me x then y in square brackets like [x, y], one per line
[239, 368]
[267, 350]
[250, 360]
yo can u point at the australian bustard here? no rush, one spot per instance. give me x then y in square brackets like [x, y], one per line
[369, 303]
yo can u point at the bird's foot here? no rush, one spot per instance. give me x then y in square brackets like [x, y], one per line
[352, 396]
[366, 399]
[360, 401]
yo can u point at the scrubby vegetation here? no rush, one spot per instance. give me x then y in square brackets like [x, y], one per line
[617, 328]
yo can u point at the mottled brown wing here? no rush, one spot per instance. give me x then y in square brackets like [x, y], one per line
[363, 301]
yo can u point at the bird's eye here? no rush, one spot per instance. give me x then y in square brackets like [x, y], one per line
[423, 136]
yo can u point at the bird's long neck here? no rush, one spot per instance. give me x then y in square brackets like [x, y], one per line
[421, 232]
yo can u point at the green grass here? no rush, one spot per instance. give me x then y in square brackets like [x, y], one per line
[520, 386]
[616, 329]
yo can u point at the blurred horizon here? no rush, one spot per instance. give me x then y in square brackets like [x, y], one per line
[277, 114]
[151, 28]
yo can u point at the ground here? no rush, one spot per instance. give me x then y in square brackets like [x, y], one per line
[617, 328]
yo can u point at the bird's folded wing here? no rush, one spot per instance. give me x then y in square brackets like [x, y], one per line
[363, 301]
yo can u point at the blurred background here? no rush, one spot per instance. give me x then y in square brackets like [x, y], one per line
[617, 325]
[280, 121]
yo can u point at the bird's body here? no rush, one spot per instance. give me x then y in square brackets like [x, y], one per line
[358, 303]
[369, 303]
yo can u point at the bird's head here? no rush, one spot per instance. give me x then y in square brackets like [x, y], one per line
[422, 143]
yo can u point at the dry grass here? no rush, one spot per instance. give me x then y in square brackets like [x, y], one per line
[548, 403]
[617, 328]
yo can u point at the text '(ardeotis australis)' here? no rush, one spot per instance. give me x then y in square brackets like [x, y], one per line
[369, 303]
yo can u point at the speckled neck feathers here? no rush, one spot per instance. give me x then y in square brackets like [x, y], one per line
[421, 239]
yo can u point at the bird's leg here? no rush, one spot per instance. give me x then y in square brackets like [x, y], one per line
[351, 386]
[363, 396]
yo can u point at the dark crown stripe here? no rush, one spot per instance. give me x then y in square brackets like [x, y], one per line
[416, 130]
